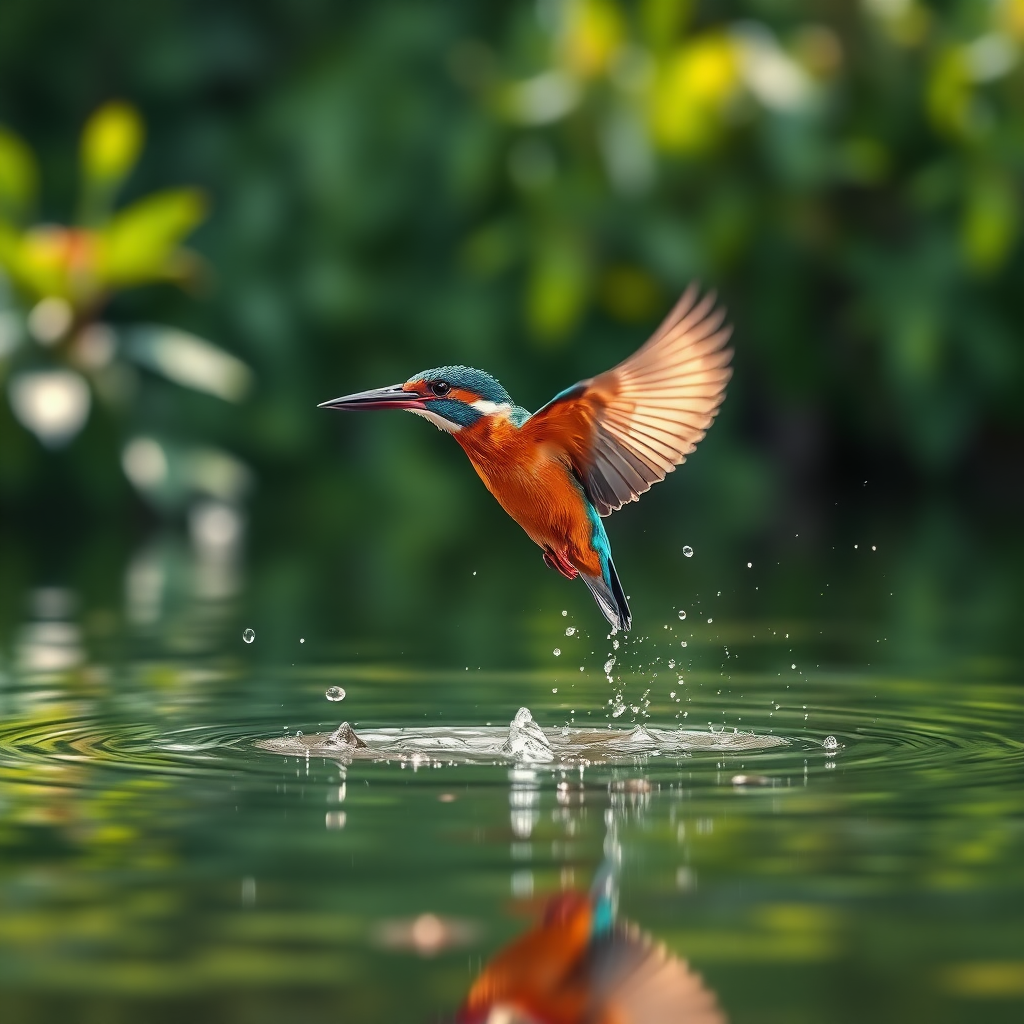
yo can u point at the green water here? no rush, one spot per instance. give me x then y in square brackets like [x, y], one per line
[156, 864]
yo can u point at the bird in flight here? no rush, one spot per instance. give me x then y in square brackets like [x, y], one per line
[590, 450]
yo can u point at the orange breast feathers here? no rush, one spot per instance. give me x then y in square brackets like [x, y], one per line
[539, 972]
[530, 473]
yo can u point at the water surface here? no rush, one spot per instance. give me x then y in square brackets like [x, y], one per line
[169, 845]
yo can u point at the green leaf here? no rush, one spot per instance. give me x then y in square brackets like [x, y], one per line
[18, 175]
[558, 287]
[111, 142]
[991, 221]
[141, 243]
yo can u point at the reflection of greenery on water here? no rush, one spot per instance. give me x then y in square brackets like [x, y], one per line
[124, 857]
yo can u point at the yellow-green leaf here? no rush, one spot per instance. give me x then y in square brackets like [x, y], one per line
[111, 142]
[991, 221]
[140, 243]
[18, 174]
[558, 287]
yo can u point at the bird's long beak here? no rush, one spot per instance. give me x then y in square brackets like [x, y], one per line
[393, 397]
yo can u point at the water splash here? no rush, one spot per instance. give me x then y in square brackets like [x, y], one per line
[526, 740]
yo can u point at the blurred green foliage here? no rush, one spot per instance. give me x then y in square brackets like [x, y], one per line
[56, 351]
[525, 186]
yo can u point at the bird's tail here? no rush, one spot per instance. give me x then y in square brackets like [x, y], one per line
[609, 597]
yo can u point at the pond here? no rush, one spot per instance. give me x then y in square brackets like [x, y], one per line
[811, 786]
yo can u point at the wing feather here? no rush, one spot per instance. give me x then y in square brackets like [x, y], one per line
[638, 981]
[628, 428]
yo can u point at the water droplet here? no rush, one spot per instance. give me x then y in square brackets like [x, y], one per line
[570, 631]
[687, 551]
[608, 666]
[556, 652]
[671, 662]
[302, 640]
[298, 732]
[248, 636]
[682, 614]
[683, 644]
[710, 621]
[565, 612]
[672, 693]
[335, 693]
[830, 743]
[554, 689]
[750, 565]
[793, 665]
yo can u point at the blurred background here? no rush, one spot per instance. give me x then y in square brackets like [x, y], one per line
[214, 215]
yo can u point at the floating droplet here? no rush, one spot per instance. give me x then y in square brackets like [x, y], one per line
[671, 662]
[565, 611]
[570, 631]
[302, 640]
[682, 614]
[248, 636]
[608, 666]
[556, 652]
[554, 689]
[683, 644]
[710, 621]
[830, 743]
[750, 565]
[687, 551]
[335, 693]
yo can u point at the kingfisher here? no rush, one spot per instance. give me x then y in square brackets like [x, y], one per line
[593, 448]
[579, 965]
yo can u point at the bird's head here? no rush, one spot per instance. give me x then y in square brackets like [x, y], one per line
[451, 397]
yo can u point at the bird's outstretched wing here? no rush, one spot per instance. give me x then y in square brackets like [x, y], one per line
[638, 981]
[629, 427]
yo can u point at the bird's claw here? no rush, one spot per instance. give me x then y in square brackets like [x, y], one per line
[560, 564]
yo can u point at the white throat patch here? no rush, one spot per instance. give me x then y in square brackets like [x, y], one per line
[439, 421]
[486, 408]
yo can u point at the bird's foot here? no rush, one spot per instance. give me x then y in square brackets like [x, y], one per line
[561, 564]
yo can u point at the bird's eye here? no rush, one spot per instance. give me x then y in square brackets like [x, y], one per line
[440, 387]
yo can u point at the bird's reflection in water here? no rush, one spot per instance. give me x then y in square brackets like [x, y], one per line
[579, 965]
